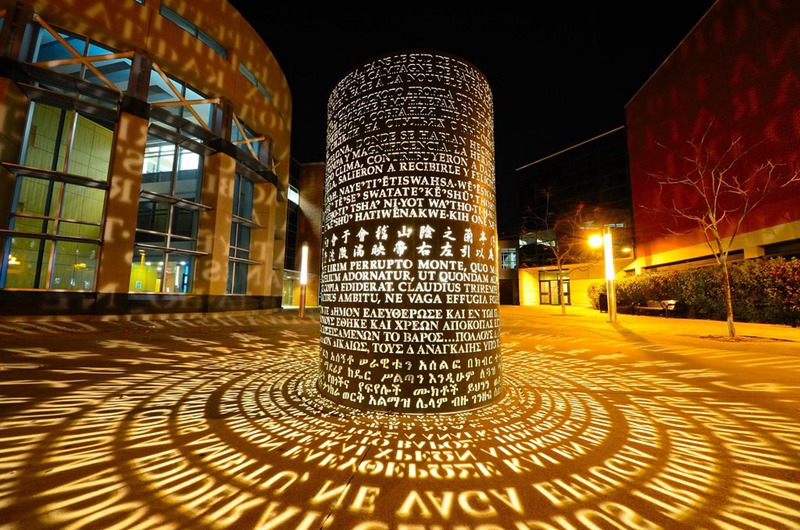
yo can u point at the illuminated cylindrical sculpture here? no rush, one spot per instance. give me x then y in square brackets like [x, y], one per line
[409, 307]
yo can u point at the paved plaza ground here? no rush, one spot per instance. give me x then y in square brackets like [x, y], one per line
[647, 422]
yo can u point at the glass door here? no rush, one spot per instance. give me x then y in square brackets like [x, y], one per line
[549, 293]
[544, 292]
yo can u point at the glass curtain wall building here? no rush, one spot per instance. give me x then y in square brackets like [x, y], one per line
[144, 160]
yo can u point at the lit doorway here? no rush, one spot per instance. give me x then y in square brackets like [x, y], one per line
[549, 293]
[291, 288]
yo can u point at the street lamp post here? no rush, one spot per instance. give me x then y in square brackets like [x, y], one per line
[608, 254]
[303, 279]
[608, 258]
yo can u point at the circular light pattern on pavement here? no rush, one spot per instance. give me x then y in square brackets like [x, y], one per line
[223, 427]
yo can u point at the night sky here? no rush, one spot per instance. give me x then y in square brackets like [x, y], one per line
[560, 72]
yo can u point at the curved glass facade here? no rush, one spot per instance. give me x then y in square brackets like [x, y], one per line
[130, 180]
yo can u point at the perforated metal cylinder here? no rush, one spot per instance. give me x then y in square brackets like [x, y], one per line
[409, 303]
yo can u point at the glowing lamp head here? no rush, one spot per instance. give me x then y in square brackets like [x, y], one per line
[304, 264]
[595, 241]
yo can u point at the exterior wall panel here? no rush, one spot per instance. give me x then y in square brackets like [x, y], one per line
[737, 73]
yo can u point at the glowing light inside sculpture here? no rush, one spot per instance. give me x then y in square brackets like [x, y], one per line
[409, 294]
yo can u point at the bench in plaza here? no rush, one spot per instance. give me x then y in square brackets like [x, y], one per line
[664, 307]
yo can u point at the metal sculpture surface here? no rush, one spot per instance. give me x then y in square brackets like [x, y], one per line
[409, 290]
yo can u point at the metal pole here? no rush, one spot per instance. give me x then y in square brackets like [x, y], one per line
[303, 279]
[608, 252]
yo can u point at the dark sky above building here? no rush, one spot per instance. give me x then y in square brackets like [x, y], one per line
[560, 72]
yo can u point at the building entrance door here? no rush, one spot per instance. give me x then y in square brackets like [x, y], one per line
[549, 293]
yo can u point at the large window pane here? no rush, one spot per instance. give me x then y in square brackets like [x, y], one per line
[79, 230]
[147, 272]
[241, 137]
[172, 172]
[153, 216]
[61, 140]
[26, 266]
[175, 174]
[182, 272]
[161, 92]
[184, 222]
[203, 110]
[240, 236]
[47, 136]
[116, 71]
[83, 204]
[35, 197]
[243, 241]
[159, 165]
[49, 49]
[162, 175]
[52, 130]
[26, 224]
[42, 205]
[90, 155]
[189, 177]
[509, 258]
[160, 272]
[75, 266]
[243, 198]
[237, 278]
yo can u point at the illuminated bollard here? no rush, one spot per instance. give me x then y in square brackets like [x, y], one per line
[409, 307]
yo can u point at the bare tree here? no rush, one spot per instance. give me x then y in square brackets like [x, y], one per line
[563, 235]
[724, 189]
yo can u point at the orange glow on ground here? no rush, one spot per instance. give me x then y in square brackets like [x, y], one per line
[218, 424]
